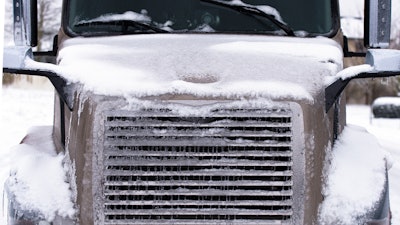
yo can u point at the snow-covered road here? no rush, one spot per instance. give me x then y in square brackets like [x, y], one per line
[22, 109]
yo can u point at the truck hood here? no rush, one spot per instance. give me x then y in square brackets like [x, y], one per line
[201, 65]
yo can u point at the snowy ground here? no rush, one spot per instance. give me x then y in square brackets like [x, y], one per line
[22, 109]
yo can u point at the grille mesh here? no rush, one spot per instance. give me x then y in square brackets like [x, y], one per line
[229, 167]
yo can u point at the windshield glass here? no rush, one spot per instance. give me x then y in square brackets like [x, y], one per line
[281, 17]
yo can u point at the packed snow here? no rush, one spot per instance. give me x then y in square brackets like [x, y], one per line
[388, 132]
[356, 176]
[37, 176]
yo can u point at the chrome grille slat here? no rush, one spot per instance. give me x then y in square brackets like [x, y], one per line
[207, 142]
[195, 162]
[196, 222]
[175, 133]
[205, 183]
[206, 203]
[210, 172]
[201, 212]
[201, 193]
[199, 154]
[232, 166]
[225, 124]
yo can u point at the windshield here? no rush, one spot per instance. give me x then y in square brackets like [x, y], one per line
[280, 17]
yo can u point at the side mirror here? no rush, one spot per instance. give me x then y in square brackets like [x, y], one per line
[18, 59]
[377, 22]
[25, 22]
[379, 62]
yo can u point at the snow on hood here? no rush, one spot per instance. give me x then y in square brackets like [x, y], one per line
[200, 65]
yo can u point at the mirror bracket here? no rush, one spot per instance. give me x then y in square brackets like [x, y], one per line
[60, 84]
[385, 63]
[347, 53]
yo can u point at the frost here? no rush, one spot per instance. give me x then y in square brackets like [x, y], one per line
[355, 177]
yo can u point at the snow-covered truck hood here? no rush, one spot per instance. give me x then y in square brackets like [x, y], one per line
[201, 65]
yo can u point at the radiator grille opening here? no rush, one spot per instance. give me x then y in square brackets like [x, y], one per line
[231, 167]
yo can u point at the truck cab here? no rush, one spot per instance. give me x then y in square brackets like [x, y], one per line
[197, 111]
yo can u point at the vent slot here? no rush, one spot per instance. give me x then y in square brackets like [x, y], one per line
[232, 166]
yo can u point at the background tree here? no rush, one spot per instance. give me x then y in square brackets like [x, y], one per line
[49, 19]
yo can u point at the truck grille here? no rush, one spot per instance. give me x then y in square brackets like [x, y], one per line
[229, 167]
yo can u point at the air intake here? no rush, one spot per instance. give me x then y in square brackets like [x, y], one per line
[228, 167]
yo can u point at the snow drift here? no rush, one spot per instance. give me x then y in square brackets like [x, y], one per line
[354, 179]
[38, 179]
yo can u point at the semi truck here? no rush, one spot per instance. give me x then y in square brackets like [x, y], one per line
[199, 111]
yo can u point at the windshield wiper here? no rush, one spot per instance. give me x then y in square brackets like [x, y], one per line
[252, 10]
[124, 23]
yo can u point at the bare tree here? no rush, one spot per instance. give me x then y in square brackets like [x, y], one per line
[8, 23]
[49, 19]
[395, 25]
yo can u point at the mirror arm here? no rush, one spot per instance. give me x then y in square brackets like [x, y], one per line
[334, 90]
[60, 84]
